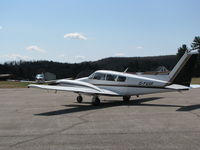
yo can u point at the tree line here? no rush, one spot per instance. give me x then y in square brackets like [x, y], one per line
[28, 69]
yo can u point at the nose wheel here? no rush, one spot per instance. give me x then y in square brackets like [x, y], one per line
[79, 99]
[95, 101]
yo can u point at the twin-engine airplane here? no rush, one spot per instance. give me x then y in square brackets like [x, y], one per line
[113, 83]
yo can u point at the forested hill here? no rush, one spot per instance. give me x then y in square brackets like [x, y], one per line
[134, 64]
[28, 69]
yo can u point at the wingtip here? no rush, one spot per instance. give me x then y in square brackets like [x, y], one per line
[30, 85]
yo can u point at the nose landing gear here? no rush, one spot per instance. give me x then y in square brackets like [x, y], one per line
[79, 99]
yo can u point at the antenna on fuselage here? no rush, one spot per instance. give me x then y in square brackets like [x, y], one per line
[126, 70]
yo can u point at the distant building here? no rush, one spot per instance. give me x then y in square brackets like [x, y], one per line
[49, 76]
[161, 70]
[4, 77]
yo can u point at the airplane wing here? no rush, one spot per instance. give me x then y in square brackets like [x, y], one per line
[76, 89]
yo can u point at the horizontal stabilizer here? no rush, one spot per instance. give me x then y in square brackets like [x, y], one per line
[194, 86]
[177, 87]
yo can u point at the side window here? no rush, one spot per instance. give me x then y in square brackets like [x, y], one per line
[99, 76]
[111, 77]
[121, 79]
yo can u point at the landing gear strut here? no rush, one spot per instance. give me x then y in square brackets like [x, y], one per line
[95, 101]
[79, 99]
[126, 98]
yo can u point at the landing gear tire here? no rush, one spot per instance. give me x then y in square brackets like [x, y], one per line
[79, 99]
[95, 101]
[126, 98]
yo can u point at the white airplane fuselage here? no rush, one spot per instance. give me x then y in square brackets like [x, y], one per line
[132, 85]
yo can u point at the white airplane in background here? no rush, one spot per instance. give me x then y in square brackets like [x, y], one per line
[113, 83]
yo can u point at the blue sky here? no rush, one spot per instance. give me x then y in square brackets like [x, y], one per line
[84, 30]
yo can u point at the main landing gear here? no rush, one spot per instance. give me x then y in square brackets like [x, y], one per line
[126, 98]
[95, 100]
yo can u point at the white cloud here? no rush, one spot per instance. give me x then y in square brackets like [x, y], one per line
[15, 57]
[139, 47]
[35, 48]
[80, 57]
[75, 35]
[119, 55]
[1, 27]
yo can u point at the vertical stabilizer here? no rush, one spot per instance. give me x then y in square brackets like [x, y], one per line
[182, 72]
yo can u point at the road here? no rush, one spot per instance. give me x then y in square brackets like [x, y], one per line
[36, 119]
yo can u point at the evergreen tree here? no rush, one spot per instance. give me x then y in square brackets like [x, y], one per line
[196, 43]
[182, 50]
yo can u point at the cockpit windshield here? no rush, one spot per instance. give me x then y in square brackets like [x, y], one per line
[99, 76]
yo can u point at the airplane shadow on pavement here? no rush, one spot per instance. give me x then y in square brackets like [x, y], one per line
[189, 108]
[73, 108]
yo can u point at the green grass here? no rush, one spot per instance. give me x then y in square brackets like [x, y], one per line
[196, 81]
[13, 84]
